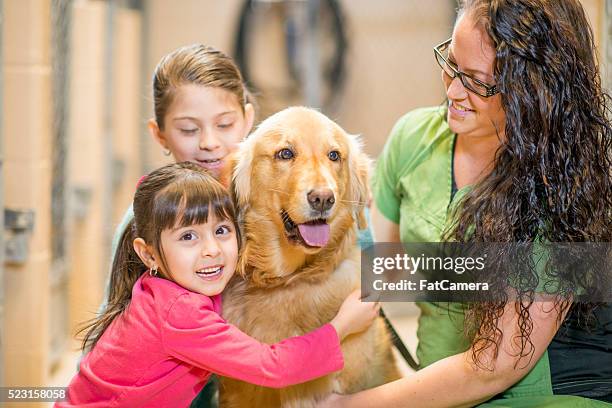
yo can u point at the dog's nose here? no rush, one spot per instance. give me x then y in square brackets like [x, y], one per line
[321, 199]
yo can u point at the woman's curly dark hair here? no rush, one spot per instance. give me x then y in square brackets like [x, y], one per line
[551, 177]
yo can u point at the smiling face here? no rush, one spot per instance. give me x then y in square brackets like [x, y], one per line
[469, 114]
[203, 125]
[202, 257]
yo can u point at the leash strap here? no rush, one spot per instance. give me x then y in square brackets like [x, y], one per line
[399, 344]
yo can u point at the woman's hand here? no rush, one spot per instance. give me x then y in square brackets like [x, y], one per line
[354, 315]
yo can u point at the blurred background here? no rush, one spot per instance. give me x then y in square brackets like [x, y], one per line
[75, 95]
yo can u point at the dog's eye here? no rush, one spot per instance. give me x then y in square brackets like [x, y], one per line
[334, 155]
[285, 154]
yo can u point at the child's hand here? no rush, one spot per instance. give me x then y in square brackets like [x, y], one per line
[354, 315]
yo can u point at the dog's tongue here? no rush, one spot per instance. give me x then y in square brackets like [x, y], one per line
[316, 235]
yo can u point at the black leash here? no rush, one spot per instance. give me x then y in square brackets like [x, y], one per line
[399, 344]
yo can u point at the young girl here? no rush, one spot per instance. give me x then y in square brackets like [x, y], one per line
[161, 334]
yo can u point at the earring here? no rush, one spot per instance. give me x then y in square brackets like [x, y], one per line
[166, 152]
[153, 271]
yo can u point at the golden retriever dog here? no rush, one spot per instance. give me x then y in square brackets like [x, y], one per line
[300, 184]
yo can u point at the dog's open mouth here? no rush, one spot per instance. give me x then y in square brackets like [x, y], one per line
[314, 233]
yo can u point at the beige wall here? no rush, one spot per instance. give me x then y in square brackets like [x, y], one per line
[596, 16]
[602, 31]
[107, 169]
[27, 136]
[127, 100]
[392, 68]
[87, 163]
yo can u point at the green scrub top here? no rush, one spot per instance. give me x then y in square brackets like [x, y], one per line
[412, 187]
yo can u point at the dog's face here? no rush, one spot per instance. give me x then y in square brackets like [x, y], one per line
[301, 171]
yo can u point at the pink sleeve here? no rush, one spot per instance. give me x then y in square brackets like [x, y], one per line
[194, 333]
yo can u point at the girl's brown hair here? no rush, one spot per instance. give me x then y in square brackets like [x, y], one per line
[200, 65]
[176, 195]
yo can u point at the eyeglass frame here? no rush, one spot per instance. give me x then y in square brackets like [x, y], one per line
[491, 89]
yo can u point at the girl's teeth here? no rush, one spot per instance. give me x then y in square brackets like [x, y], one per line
[209, 270]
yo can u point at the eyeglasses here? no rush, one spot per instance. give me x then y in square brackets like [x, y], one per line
[469, 82]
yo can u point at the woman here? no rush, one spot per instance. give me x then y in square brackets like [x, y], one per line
[521, 154]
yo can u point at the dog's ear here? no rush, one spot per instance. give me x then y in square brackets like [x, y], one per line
[359, 173]
[241, 176]
[225, 177]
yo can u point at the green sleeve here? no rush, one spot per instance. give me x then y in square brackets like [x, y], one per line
[127, 217]
[385, 179]
[548, 281]
[547, 258]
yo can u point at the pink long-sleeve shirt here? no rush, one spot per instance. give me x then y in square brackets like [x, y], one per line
[162, 349]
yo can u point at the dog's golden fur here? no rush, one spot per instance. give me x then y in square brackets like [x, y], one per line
[288, 288]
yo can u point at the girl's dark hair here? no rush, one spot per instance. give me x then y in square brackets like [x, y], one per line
[176, 195]
[551, 177]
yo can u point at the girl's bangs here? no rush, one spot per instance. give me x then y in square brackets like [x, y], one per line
[190, 201]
